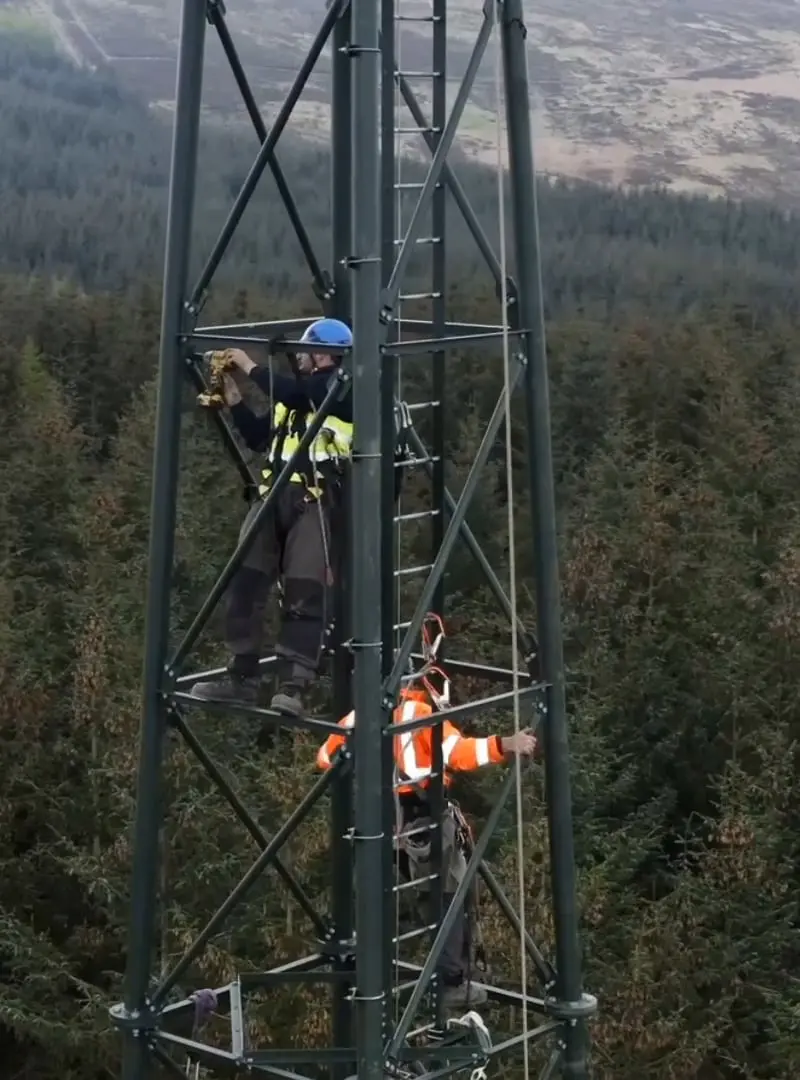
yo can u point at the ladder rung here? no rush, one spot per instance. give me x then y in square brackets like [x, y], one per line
[417, 131]
[423, 405]
[422, 240]
[418, 18]
[417, 74]
[412, 185]
[418, 830]
[420, 296]
[401, 625]
[414, 883]
[409, 935]
[421, 1031]
[417, 461]
[408, 570]
[417, 515]
[401, 987]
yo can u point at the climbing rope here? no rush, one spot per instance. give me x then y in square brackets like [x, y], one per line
[512, 560]
[398, 396]
[205, 1006]
[398, 236]
[473, 1022]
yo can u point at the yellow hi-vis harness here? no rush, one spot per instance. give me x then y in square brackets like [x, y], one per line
[332, 444]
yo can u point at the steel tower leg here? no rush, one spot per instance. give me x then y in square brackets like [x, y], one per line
[341, 165]
[162, 529]
[569, 1002]
[391, 203]
[342, 791]
[366, 542]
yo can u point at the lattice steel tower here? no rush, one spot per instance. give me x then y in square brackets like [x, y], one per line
[355, 948]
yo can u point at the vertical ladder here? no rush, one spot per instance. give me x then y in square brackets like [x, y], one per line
[413, 30]
[417, 27]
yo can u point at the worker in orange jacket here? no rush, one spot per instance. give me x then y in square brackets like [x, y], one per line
[413, 755]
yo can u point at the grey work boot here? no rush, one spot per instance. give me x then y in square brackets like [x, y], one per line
[232, 686]
[464, 996]
[289, 699]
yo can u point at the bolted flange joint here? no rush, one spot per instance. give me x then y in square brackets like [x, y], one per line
[571, 1011]
[338, 948]
[136, 1021]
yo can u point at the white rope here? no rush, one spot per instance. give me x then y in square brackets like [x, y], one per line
[398, 235]
[512, 560]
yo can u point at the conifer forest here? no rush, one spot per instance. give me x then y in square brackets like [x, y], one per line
[674, 336]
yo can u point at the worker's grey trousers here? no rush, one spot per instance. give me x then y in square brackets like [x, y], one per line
[294, 543]
[455, 960]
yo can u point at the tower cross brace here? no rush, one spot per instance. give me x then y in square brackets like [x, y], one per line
[354, 949]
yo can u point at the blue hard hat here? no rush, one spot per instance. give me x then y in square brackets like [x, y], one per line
[328, 332]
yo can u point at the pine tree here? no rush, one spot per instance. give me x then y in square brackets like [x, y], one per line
[45, 996]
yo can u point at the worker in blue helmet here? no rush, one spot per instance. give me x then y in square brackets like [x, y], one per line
[298, 542]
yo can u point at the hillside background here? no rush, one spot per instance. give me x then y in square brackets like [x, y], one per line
[674, 338]
[699, 95]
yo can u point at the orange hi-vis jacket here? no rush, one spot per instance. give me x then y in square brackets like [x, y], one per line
[413, 750]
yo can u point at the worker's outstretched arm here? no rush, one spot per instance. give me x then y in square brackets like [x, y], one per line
[285, 389]
[461, 753]
[334, 742]
[255, 430]
[290, 390]
[298, 393]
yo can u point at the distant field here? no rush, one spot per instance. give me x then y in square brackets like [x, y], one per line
[28, 23]
[699, 95]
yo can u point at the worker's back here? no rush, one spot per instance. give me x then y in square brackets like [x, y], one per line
[413, 749]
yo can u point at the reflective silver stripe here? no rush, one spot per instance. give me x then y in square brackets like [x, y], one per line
[448, 746]
[410, 769]
[347, 722]
[319, 451]
[482, 751]
[334, 440]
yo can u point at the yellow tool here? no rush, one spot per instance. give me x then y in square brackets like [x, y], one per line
[219, 363]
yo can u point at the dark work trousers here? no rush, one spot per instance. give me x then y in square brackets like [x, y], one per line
[454, 963]
[294, 543]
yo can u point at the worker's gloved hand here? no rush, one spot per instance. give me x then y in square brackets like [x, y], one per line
[520, 744]
[218, 363]
[230, 391]
[222, 360]
[219, 360]
[239, 358]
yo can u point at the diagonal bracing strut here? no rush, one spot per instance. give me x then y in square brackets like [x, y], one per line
[266, 857]
[443, 146]
[217, 20]
[264, 156]
[245, 817]
[448, 541]
[529, 646]
[460, 197]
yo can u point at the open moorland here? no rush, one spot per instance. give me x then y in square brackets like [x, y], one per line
[697, 94]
